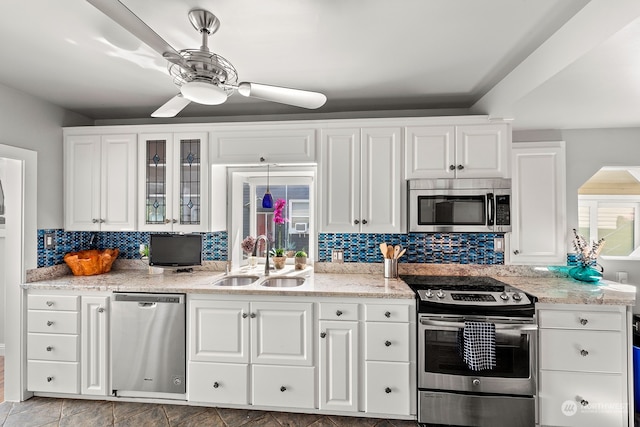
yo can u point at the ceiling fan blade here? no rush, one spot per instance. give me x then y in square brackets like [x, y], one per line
[171, 107]
[283, 95]
[130, 22]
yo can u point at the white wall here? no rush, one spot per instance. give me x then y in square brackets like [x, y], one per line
[31, 123]
[587, 151]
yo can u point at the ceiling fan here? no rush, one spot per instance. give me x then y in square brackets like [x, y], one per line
[202, 76]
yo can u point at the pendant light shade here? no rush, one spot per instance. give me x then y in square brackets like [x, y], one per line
[267, 199]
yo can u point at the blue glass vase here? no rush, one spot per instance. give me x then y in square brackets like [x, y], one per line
[585, 274]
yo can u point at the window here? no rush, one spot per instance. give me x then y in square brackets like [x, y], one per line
[249, 218]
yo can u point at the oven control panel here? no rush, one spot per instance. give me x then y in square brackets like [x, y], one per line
[473, 297]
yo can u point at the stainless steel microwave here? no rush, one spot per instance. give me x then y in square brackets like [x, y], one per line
[459, 205]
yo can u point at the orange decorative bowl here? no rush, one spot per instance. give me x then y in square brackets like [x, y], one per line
[91, 262]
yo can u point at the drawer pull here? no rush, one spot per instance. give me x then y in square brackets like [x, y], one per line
[387, 314]
[584, 352]
[49, 303]
[49, 348]
[49, 322]
[387, 343]
[216, 384]
[49, 379]
[252, 315]
[387, 390]
[323, 334]
[583, 321]
[283, 389]
[100, 309]
[338, 313]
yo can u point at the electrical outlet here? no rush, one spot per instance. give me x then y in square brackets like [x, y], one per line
[49, 241]
[337, 255]
[498, 244]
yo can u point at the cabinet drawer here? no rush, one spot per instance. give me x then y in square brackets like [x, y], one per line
[287, 386]
[388, 313]
[589, 320]
[54, 377]
[53, 302]
[589, 351]
[387, 388]
[52, 322]
[387, 341]
[338, 311]
[563, 391]
[52, 347]
[218, 383]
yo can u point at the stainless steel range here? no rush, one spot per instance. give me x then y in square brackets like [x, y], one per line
[452, 390]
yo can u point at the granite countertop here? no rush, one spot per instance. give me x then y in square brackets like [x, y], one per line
[316, 284]
[347, 281]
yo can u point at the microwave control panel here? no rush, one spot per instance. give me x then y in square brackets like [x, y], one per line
[503, 211]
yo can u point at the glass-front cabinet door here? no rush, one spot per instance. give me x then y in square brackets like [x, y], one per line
[173, 181]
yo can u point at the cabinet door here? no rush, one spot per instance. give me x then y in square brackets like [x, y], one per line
[190, 184]
[339, 365]
[118, 183]
[482, 151]
[538, 204]
[387, 389]
[281, 333]
[82, 183]
[219, 331]
[340, 160]
[381, 186]
[155, 154]
[94, 356]
[429, 152]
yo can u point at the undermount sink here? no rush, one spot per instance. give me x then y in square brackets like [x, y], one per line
[235, 281]
[282, 282]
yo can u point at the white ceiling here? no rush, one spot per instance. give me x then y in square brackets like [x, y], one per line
[547, 64]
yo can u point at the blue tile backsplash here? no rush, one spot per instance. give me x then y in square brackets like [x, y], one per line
[214, 245]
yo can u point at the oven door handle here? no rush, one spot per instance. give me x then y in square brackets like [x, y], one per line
[444, 325]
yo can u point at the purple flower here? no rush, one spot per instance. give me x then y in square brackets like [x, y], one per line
[248, 244]
[278, 217]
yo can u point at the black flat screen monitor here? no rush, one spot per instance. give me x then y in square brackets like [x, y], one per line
[175, 250]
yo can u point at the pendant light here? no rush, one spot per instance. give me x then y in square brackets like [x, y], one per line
[267, 200]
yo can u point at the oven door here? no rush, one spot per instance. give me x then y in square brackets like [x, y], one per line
[440, 364]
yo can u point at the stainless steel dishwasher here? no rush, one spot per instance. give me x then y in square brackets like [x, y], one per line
[148, 345]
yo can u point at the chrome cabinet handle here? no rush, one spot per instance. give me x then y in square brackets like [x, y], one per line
[323, 334]
[49, 303]
[49, 323]
[387, 390]
[283, 389]
[364, 221]
[49, 348]
[253, 315]
[460, 167]
[516, 252]
[49, 379]
[338, 313]
[167, 221]
[583, 321]
[584, 353]
[356, 222]
[452, 167]
[387, 314]
[244, 315]
[100, 309]
[94, 220]
[102, 221]
[387, 343]
[216, 385]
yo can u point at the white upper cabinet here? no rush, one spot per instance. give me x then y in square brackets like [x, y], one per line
[100, 182]
[464, 151]
[273, 143]
[538, 204]
[361, 180]
[173, 182]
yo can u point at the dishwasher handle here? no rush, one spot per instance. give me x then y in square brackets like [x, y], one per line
[147, 304]
[146, 300]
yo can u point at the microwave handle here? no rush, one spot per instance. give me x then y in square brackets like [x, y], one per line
[491, 209]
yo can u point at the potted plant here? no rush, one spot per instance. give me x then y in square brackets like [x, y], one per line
[301, 260]
[279, 258]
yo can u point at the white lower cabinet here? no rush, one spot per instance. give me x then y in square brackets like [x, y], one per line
[219, 383]
[388, 389]
[338, 361]
[584, 365]
[94, 357]
[283, 386]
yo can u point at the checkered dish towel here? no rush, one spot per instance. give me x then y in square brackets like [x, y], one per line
[479, 345]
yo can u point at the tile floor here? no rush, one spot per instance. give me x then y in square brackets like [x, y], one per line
[49, 412]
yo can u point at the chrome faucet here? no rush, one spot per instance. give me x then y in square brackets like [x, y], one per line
[266, 245]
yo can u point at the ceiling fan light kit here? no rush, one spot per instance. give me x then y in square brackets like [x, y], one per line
[201, 75]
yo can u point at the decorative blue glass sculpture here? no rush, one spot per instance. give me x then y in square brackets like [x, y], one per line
[585, 274]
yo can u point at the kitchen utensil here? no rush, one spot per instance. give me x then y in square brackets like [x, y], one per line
[390, 251]
[396, 251]
[383, 249]
[401, 253]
